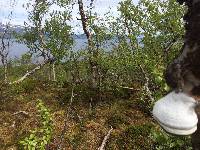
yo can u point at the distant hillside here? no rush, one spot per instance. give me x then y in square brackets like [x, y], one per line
[15, 28]
[19, 29]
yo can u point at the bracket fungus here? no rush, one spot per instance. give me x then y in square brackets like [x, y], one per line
[175, 113]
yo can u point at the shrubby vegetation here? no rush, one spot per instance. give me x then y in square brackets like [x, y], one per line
[114, 81]
[39, 138]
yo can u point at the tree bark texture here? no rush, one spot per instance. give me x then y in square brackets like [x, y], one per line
[184, 72]
[54, 71]
[92, 52]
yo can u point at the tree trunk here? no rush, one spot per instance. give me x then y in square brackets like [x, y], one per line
[184, 72]
[53, 71]
[196, 135]
[92, 52]
[5, 66]
[49, 71]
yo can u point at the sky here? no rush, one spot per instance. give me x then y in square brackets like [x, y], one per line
[20, 14]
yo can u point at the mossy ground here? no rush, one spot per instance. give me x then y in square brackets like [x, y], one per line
[85, 126]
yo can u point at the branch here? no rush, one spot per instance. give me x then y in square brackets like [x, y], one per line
[60, 145]
[91, 4]
[146, 85]
[103, 144]
[169, 46]
[32, 71]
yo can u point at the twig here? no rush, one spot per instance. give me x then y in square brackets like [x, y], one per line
[21, 112]
[90, 105]
[129, 88]
[103, 144]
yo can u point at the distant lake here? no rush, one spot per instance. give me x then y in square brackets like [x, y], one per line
[17, 49]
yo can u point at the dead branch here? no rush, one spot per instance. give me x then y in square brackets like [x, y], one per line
[21, 112]
[103, 144]
[169, 45]
[129, 88]
[32, 71]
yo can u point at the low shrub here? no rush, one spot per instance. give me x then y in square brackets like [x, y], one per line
[164, 141]
[39, 137]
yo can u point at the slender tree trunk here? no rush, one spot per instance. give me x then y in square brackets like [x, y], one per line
[49, 71]
[92, 52]
[5, 66]
[53, 71]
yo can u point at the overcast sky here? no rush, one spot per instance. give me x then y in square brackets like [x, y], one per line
[20, 13]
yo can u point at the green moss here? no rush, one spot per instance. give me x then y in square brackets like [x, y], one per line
[136, 138]
[115, 120]
[77, 140]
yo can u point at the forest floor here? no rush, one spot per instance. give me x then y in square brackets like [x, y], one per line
[82, 127]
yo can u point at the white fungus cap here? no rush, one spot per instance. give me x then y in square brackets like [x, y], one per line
[175, 113]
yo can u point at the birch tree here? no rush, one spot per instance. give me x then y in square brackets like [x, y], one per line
[6, 41]
[48, 34]
[4, 49]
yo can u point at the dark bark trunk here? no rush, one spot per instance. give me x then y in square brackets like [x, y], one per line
[196, 135]
[184, 72]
